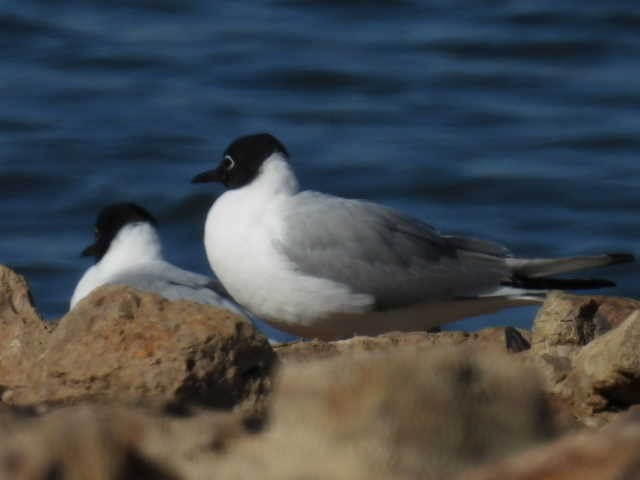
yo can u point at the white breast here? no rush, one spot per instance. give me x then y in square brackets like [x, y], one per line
[243, 229]
[134, 245]
[87, 284]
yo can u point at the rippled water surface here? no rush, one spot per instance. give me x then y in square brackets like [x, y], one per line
[517, 121]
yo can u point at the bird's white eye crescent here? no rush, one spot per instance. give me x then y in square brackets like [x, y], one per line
[228, 162]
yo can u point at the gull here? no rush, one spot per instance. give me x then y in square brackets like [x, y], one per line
[128, 252]
[321, 266]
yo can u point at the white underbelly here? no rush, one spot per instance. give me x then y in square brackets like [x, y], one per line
[420, 317]
[246, 260]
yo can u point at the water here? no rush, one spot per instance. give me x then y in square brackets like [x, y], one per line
[515, 121]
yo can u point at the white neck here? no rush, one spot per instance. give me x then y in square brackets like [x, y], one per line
[134, 243]
[275, 177]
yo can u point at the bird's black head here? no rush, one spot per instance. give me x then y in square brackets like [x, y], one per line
[109, 222]
[241, 161]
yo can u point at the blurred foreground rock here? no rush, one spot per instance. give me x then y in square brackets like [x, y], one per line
[368, 416]
[408, 413]
[612, 453]
[88, 442]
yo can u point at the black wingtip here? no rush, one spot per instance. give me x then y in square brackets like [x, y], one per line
[616, 258]
[588, 283]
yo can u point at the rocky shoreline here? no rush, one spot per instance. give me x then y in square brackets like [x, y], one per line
[129, 385]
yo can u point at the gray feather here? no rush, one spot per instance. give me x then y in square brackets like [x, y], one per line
[379, 251]
[545, 267]
[175, 284]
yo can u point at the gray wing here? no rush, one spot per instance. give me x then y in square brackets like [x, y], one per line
[174, 283]
[379, 251]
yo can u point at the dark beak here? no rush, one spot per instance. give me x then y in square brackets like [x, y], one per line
[209, 176]
[90, 251]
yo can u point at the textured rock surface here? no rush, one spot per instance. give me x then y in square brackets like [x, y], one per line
[22, 332]
[412, 412]
[609, 453]
[605, 374]
[119, 344]
[126, 443]
[402, 414]
[566, 322]
[586, 348]
[493, 338]
[80, 443]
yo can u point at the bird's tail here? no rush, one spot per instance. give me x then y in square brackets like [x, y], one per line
[535, 273]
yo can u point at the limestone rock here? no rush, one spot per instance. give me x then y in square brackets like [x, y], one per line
[22, 332]
[123, 345]
[564, 326]
[78, 443]
[606, 372]
[411, 413]
[493, 338]
[108, 442]
[566, 322]
[609, 453]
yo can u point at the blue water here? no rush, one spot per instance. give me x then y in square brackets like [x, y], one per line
[515, 121]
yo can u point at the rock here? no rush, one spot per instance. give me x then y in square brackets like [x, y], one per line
[403, 413]
[87, 442]
[412, 413]
[565, 325]
[123, 345]
[12, 416]
[400, 405]
[498, 337]
[107, 442]
[566, 322]
[609, 453]
[22, 332]
[515, 341]
[605, 374]
[302, 351]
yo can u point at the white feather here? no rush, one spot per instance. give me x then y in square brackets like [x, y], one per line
[239, 238]
[135, 259]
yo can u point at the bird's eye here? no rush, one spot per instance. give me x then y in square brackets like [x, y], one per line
[228, 163]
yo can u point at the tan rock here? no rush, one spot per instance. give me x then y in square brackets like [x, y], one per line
[410, 413]
[107, 442]
[606, 372]
[10, 417]
[566, 322]
[123, 345]
[562, 328]
[22, 332]
[300, 351]
[80, 443]
[403, 413]
[609, 453]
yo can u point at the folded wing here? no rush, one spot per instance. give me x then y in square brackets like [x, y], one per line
[379, 251]
[176, 284]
